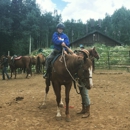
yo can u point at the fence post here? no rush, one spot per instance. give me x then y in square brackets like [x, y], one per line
[108, 60]
[129, 56]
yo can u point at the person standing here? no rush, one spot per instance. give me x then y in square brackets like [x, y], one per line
[4, 65]
[84, 91]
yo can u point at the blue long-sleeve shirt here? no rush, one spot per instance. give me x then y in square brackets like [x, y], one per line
[58, 39]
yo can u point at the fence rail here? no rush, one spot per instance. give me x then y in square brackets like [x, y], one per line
[114, 59]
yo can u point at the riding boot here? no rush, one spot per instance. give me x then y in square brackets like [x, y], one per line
[83, 110]
[46, 75]
[87, 112]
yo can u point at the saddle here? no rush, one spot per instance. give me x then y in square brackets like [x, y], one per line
[55, 58]
[17, 58]
[52, 62]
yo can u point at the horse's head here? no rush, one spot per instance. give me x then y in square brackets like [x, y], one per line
[94, 53]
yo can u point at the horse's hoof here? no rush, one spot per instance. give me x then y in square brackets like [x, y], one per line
[42, 107]
[68, 119]
[58, 118]
[61, 105]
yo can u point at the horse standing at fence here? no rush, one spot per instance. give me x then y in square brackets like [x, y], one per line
[63, 71]
[20, 62]
[40, 63]
[93, 54]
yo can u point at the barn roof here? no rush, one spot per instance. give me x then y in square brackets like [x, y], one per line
[96, 31]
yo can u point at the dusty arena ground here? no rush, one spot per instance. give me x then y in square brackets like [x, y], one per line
[110, 104]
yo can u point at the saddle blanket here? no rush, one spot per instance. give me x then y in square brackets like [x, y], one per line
[17, 58]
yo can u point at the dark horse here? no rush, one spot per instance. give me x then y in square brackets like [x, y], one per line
[40, 63]
[63, 70]
[20, 62]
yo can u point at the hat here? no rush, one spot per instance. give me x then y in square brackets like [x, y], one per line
[60, 25]
[85, 52]
[81, 46]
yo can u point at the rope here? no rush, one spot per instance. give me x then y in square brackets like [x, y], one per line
[63, 55]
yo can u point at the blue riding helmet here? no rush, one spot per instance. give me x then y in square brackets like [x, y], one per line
[81, 46]
[60, 25]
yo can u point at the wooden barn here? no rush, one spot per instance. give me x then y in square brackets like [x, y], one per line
[95, 37]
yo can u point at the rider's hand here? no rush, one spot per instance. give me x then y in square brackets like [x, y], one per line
[63, 44]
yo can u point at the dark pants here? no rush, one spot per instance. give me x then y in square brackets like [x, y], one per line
[50, 58]
[4, 71]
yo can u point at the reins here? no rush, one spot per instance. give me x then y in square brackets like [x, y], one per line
[74, 80]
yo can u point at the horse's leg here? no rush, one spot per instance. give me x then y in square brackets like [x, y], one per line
[15, 73]
[11, 72]
[45, 93]
[27, 73]
[61, 103]
[57, 89]
[43, 68]
[67, 91]
[30, 70]
[40, 68]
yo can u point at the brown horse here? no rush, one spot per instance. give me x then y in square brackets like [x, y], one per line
[63, 71]
[34, 61]
[20, 62]
[93, 54]
[40, 63]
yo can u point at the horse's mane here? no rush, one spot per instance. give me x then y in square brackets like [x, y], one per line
[90, 50]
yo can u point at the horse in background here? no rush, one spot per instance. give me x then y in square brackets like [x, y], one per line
[34, 61]
[63, 69]
[93, 54]
[40, 63]
[20, 62]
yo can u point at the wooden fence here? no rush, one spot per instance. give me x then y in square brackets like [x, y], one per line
[114, 60]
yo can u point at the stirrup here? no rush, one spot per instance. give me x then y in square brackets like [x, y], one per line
[45, 76]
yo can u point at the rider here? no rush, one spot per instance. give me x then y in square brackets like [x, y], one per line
[84, 92]
[59, 40]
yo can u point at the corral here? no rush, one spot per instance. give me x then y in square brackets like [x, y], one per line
[110, 104]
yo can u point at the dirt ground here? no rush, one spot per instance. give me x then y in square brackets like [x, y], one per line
[110, 104]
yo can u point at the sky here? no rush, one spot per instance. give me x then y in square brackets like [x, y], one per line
[82, 9]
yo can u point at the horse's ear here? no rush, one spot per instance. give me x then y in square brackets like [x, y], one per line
[94, 48]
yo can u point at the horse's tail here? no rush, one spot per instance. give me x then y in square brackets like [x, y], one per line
[38, 64]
